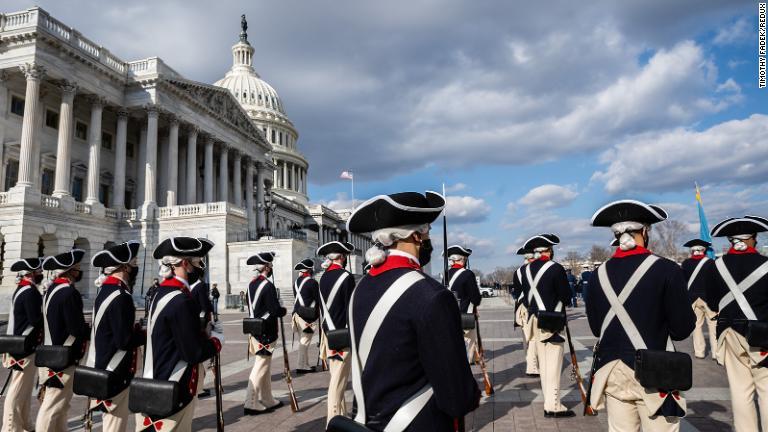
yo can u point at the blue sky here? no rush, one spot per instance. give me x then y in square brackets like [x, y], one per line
[534, 115]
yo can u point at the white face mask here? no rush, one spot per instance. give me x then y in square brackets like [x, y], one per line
[698, 251]
[738, 242]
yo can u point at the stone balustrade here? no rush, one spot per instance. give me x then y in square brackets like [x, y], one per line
[3, 198]
[82, 208]
[49, 201]
[202, 209]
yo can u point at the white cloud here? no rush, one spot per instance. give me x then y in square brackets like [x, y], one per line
[342, 202]
[549, 196]
[466, 209]
[731, 152]
[481, 247]
[739, 31]
[458, 187]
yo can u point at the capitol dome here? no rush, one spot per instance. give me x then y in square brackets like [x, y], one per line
[266, 110]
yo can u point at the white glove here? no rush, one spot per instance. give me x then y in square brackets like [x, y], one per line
[218, 335]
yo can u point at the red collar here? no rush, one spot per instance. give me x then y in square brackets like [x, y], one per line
[639, 250]
[111, 280]
[259, 277]
[24, 282]
[175, 283]
[749, 250]
[698, 257]
[394, 262]
[457, 266]
[333, 266]
[543, 258]
[305, 274]
[59, 281]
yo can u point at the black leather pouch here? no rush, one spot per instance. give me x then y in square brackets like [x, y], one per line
[553, 322]
[345, 424]
[154, 398]
[757, 334]
[467, 321]
[663, 370]
[98, 383]
[18, 346]
[339, 339]
[56, 357]
[308, 314]
[253, 326]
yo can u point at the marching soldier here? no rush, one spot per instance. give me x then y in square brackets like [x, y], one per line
[25, 319]
[336, 285]
[176, 347]
[115, 336]
[738, 292]
[637, 301]
[64, 325]
[463, 284]
[696, 268]
[263, 303]
[521, 314]
[202, 300]
[546, 287]
[305, 311]
[409, 373]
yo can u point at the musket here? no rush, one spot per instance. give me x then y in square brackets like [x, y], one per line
[287, 371]
[7, 380]
[577, 375]
[481, 355]
[143, 274]
[219, 393]
[588, 410]
[88, 417]
[445, 243]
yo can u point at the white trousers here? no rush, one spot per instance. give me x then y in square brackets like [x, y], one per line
[116, 419]
[337, 386]
[550, 359]
[703, 314]
[305, 340]
[470, 339]
[18, 399]
[179, 422]
[745, 381]
[627, 411]
[55, 407]
[258, 395]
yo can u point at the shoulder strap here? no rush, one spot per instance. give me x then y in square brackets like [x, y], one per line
[361, 351]
[98, 315]
[252, 302]
[534, 284]
[736, 291]
[56, 290]
[696, 271]
[299, 297]
[11, 324]
[454, 277]
[158, 306]
[617, 302]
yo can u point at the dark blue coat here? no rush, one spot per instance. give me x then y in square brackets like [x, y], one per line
[117, 330]
[658, 306]
[176, 336]
[740, 266]
[267, 302]
[65, 314]
[338, 309]
[698, 289]
[27, 310]
[309, 292]
[465, 289]
[517, 285]
[420, 342]
[553, 286]
[201, 294]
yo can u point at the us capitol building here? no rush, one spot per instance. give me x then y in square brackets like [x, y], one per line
[95, 150]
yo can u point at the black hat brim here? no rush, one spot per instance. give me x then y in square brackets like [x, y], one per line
[459, 250]
[697, 242]
[116, 255]
[261, 258]
[306, 264]
[27, 264]
[64, 260]
[541, 240]
[180, 246]
[628, 211]
[740, 226]
[388, 211]
[335, 247]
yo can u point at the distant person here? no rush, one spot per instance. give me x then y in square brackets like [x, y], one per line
[696, 269]
[463, 283]
[572, 283]
[215, 294]
[586, 274]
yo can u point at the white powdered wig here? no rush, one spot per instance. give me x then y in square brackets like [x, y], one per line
[738, 241]
[258, 268]
[529, 256]
[457, 259]
[20, 275]
[627, 240]
[329, 259]
[386, 237]
[167, 264]
[698, 250]
[100, 280]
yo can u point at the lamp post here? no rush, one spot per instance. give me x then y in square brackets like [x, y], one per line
[268, 207]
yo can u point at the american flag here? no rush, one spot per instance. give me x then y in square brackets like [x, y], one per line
[347, 175]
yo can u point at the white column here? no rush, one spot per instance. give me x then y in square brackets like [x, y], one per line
[150, 164]
[249, 195]
[285, 175]
[294, 178]
[118, 197]
[224, 173]
[260, 217]
[29, 144]
[3, 113]
[237, 183]
[141, 160]
[64, 145]
[208, 197]
[192, 165]
[94, 151]
[173, 162]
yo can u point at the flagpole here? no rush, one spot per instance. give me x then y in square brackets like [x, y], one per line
[353, 190]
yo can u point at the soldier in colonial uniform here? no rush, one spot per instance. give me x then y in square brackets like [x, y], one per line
[176, 347]
[546, 287]
[25, 318]
[738, 293]
[264, 303]
[64, 325]
[521, 313]
[201, 295]
[696, 268]
[115, 336]
[463, 283]
[637, 302]
[306, 311]
[336, 285]
[409, 371]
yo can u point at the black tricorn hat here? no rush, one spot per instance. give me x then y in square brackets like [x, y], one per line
[64, 260]
[344, 248]
[628, 211]
[388, 211]
[523, 251]
[697, 242]
[541, 240]
[27, 264]
[459, 250]
[305, 264]
[116, 255]
[261, 258]
[615, 243]
[183, 247]
[740, 226]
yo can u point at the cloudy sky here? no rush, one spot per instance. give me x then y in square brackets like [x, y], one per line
[533, 115]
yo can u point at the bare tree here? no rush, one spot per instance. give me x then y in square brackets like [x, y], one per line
[599, 253]
[667, 237]
[573, 259]
[501, 275]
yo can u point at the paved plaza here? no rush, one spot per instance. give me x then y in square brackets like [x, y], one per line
[516, 406]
